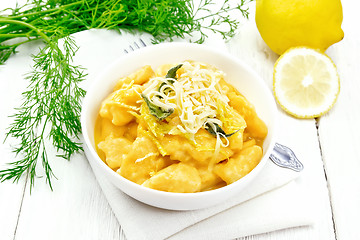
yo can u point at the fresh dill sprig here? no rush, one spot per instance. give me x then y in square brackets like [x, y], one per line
[51, 105]
[221, 17]
[50, 110]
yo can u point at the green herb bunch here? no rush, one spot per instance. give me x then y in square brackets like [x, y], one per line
[50, 109]
[52, 102]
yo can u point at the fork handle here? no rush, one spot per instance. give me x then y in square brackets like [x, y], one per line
[286, 158]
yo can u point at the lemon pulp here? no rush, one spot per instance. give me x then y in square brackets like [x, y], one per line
[306, 83]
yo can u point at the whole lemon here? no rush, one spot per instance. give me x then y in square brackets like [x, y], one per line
[290, 23]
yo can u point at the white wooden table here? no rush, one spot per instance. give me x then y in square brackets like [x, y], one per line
[77, 209]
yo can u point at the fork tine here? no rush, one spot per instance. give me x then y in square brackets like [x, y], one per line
[142, 42]
[136, 46]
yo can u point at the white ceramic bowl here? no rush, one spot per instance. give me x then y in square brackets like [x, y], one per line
[237, 73]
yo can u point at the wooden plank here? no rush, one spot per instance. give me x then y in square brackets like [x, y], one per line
[300, 135]
[76, 209]
[339, 130]
[11, 85]
[10, 204]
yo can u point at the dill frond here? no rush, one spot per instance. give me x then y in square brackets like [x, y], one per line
[50, 110]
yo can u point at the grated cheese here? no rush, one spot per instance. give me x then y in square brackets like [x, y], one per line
[195, 96]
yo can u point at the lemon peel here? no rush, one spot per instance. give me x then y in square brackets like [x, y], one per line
[285, 24]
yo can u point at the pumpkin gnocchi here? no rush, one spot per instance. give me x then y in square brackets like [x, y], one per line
[180, 128]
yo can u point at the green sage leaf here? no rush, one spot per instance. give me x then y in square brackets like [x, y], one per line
[157, 111]
[218, 130]
[172, 72]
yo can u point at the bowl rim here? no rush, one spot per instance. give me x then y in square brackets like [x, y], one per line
[117, 177]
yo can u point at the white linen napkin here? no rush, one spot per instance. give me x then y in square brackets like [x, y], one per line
[273, 201]
[274, 205]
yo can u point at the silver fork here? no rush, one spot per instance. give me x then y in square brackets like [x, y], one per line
[281, 155]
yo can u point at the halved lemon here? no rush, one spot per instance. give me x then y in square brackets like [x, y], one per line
[306, 83]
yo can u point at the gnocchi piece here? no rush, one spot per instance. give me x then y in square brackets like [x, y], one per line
[141, 76]
[115, 150]
[117, 106]
[236, 141]
[255, 126]
[142, 161]
[239, 165]
[178, 177]
[131, 131]
[249, 143]
[107, 128]
[209, 180]
[226, 87]
[163, 69]
[179, 148]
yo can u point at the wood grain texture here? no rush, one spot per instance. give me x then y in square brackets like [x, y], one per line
[76, 209]
[339, 130]
[11, 195]
[12, 83]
